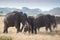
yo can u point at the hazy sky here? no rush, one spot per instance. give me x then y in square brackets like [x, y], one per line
[41, 4]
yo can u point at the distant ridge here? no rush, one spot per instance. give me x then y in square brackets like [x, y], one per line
[54, 11]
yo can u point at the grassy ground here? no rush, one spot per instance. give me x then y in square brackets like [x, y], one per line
[2, 14]
[5, 38]
[42, 35]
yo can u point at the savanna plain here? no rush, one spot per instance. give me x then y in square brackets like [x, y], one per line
[42, 35]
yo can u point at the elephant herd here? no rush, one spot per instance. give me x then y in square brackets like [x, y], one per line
[29, 23]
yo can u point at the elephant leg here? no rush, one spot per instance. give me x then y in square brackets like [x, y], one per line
[46, 28]
[5, 28]
[54, 26]
[35, 31]
[29, 29]
[50, 28]
[17, 27]
[32, 29]
[22, 26]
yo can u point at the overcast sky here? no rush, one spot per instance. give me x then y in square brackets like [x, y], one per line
[41, 4]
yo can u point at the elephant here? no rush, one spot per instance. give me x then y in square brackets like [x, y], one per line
[40, 21]
[30, 27]
[14, 19]
[45, 21]
[36, 23]
[53, 22]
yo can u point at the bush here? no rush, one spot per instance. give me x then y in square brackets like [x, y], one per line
[2, 14]
[5, 38]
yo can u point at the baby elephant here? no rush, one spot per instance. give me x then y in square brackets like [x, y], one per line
[30, 26]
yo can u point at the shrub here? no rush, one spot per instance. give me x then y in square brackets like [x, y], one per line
[5, 38]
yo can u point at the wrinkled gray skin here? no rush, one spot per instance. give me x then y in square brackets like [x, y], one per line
[41, 21]
[14, 19]
[45, 21]
[30, 21]
[53, 21]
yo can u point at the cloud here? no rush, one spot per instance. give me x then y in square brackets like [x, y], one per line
[31, 1]
[43, 4]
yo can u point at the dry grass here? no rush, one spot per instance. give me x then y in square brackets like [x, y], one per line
[5, 38]
[42, 35]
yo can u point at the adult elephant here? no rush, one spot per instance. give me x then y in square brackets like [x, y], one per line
[45, 21]
[52, 19]
[14, 19]
[42, 21]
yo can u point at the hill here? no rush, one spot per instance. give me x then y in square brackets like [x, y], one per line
[54, 11]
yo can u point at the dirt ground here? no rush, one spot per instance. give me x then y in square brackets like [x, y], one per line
[42, 35]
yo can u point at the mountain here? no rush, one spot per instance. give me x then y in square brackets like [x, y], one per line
[54, 11]
[7, 10]
[24, 9]
[31, 11]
